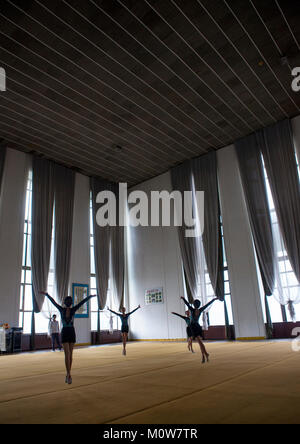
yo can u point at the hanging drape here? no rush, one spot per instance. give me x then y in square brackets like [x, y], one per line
[2, 162]
[249, 157]
[280, 161]
[204, 170]
[101, 243]
[64, 205]
[42, 214]
[181, 177]
[117, 251]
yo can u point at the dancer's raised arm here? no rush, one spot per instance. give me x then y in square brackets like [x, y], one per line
[128, 314]
[76, 307]
[51, 299]
[182, 317]
[207, 305]
[114, 312]
[186, 303]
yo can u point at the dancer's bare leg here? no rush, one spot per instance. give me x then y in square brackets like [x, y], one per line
[67, 358]
[203, 349]
[124, 339]
[71, 347]
[190, 346]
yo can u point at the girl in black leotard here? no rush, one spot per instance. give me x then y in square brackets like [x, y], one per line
[195, 327]
[68, 336]
[189, 333]
[124, 320]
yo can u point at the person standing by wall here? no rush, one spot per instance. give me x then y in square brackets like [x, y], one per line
[54, 332]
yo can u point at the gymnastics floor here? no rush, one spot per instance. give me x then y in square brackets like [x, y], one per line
[156, 383]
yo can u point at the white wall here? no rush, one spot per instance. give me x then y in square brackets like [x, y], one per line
[244, 284]
[12, 208]
[154, 261]
[80, 255]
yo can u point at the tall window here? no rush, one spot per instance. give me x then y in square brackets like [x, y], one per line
[105, 315]
[290, 285]
[26, 287]
[216, 313]
[25, 315]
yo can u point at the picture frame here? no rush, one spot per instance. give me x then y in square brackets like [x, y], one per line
[80, 292]
[154, 296]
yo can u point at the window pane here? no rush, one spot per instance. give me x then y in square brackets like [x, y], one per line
[21, 297]
[227, 288]
[94, 304]
[21, 319]
[28, 298]
[28, 277]
[27, 322]
[93, 270]
[24, 251]
[275, 309]
[104, 321]
[93, 282]
[216, 313]
[94, 321]
[28, 257]
[291, 279]
[41, 323]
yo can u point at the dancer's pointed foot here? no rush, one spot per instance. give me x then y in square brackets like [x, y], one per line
[69, 380]
[207, 356]
[203, 359]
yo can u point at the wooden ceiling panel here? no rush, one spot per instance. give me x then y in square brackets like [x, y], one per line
[127, 89]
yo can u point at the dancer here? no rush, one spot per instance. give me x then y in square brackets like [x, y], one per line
[195, 327]
[124, 320]
[68, 336]
[187, 320]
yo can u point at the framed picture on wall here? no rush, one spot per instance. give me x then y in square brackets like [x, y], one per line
[154, 296]
[80, 292]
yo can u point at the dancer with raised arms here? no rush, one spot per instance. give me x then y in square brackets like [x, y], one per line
[124, 321]
[68, 336]
[196, 329]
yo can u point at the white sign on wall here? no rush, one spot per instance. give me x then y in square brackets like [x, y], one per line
[154, 296]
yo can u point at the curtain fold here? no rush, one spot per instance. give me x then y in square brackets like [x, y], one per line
[280, 161]
[204, 170]
[117, 252]
[101, 243]
[181, 178]
[248, 152]
[64, 188]
[42, 215]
